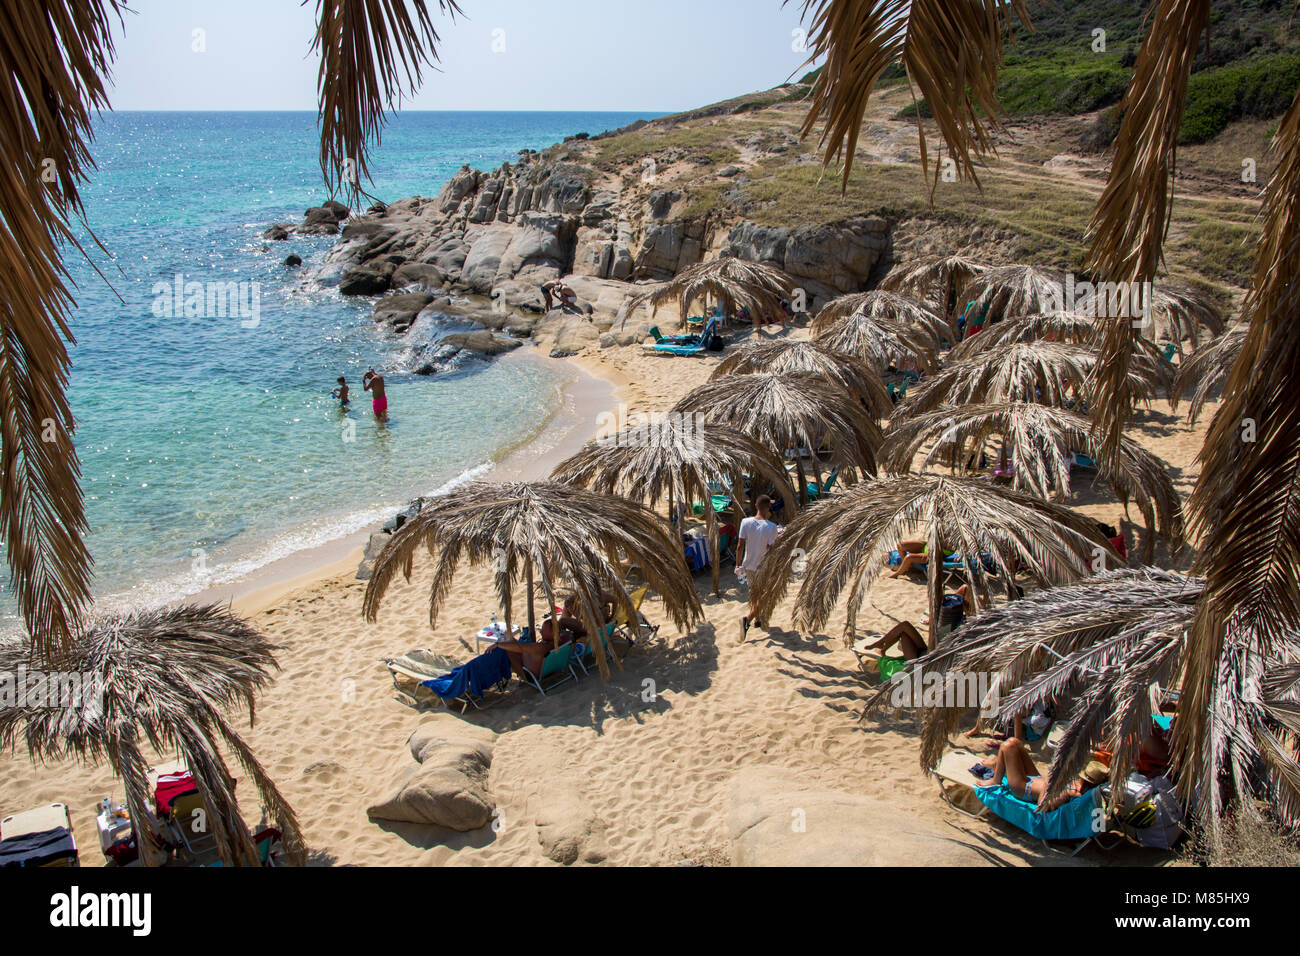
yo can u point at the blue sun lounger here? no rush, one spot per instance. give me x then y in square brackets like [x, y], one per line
[701, 344]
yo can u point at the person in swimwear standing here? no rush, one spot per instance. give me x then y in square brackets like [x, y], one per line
[373, 383]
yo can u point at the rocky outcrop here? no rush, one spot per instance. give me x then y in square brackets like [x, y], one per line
[776, 818]
[398, 312]
[503, 234]
[448, 786]
[484, 342]
[824, 260]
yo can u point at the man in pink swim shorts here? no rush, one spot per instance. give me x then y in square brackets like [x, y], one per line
[373, 383]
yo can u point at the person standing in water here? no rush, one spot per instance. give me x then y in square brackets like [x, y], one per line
[373, 383]
[341, 393]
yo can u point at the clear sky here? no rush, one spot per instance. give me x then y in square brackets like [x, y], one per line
[650, 55]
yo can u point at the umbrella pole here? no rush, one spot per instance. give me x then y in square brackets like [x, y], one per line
[803, 481]
[532, 615]
[712, 522]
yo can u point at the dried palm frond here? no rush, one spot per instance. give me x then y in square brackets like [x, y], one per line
[1206, 369]
[554, 531]
[53, 62]
[899, 311]
[167, 678]
[1009, 292]
[1042, 442]
[732, 282]
[845, 540]
[1131, 219]
[366, 48]
[1182, 311]
[939, 279]
[675, 460]
[849, 372]
[1069, 327]
[1245, 504]
[1044, 372]
[952, 53]
[1093, 650]
[791, 411]
[884, 329]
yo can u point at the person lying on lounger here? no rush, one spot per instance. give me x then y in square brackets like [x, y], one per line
[908, 638]
[1025, 781]
[912, 554]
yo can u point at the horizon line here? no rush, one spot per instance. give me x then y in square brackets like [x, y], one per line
[397, 112]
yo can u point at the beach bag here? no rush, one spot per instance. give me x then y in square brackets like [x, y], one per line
[1148, 813]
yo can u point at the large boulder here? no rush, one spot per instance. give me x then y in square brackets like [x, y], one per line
[568, 829]
[419, 274]
[571, 333]
[319, 221]
[540, 246]
[278, 232]
[368, 279]
[661, 250]
[448, 787]
[457, 188]
[482, 341]
[776, 818]
[483, 262]
[398, 312]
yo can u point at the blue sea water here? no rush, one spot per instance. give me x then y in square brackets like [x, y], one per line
[208, 448]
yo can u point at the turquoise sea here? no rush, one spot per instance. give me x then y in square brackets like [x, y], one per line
[209, 448]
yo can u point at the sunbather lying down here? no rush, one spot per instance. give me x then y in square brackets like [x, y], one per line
[1024, 780]
[908, 638]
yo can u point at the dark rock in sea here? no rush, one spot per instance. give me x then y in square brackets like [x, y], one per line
[339, 210]
[483, 342]
[278, 232]
[377, 209]
[366, 279]
[398, 312]
[421, 274]
[293, 260]
[320, 221]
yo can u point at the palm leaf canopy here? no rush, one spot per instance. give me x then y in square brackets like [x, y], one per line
[733, 282]
[846, 540]
[898, 311]
[938, 279]
[167, 678]
[674, 461]
[1182, 311]
[1048, 373]
[1070, 327]
[1041, 440]
[1095, 649]
[371, 53]
[1013, 291]
[1206, 369]
[952, 53]
[849, 372]
[790, 411]
[555, 531]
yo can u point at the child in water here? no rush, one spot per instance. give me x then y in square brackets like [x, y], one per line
[341, 393]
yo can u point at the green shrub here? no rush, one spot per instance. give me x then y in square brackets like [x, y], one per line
[1259, 89]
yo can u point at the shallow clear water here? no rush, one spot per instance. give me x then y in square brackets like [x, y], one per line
[209, 448]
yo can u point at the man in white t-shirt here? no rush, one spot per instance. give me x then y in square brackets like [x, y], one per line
[755, 537]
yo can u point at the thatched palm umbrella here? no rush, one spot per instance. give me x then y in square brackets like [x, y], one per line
[732, 282]
[675, 462]
[1041, 440]
[900, 312]
[879, 343]
[941, 279]
[1011, 291]
[540, 529]
[846, 540]
[792, 411]
[167, 678]
[1207, 369]
[1070, 327]
[1043, 372]
[849, 372]
[1183, 311]
[1094, 649]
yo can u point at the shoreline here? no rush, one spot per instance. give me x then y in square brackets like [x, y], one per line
[589, 391]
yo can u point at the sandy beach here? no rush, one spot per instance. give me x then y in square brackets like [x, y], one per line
[659, 781]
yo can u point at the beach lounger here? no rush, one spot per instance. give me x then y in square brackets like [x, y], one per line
[473, 681]
[1081, 820]
[412, 669]
[635, 630]
[38, 837]
[1170, 351]
[557, 668]
[815, 490]
[704, 343]
[585, 655]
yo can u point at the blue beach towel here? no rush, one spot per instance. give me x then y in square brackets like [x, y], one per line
[1072, 821]
[488, 670]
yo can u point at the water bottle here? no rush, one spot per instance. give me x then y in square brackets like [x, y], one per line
[496, 628]
[106, 808]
